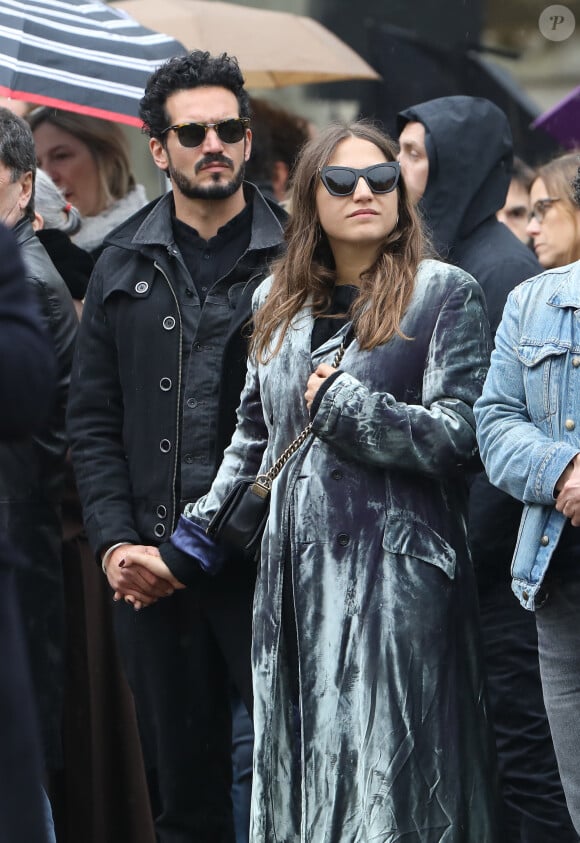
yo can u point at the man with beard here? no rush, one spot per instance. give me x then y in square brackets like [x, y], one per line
[159, 368]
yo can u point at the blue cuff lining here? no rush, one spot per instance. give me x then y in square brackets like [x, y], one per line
[192, 539]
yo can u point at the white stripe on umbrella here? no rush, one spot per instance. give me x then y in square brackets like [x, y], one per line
[65, 11]
[19, 11]
[77, 79]
[76, 51]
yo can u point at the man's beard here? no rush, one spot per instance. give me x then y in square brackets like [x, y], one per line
[216, 190]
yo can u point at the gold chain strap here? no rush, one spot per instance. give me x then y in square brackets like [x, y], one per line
[263, 482]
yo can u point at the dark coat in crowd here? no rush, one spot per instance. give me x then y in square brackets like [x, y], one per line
[109, 803]
[73, 263]
[27, 380]
[138, 329]
[31, 485]
[132, 473]
[27, 365]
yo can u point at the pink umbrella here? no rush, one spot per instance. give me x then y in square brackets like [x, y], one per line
[562, 121]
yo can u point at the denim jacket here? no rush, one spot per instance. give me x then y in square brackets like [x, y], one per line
[528, 416]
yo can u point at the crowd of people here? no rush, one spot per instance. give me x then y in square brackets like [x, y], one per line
[397, 660]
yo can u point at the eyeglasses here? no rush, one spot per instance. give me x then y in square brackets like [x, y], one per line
[541, 207]
[193, 134]
[342, 181]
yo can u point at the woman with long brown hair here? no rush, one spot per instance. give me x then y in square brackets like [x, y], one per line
[369, 712]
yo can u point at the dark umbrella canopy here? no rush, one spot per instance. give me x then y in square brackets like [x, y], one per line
[78, 55]
[562, 121]
[414, 71]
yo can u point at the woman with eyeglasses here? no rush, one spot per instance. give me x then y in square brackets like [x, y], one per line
[88, 159]
[370, 714]
[554, 224]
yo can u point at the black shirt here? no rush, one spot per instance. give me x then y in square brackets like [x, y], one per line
[206, 313]
[209, 260]
[335, 316]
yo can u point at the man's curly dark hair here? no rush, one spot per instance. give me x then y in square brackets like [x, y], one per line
[576, 188]
[181, 73]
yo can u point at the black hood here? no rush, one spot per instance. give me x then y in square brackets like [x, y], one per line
[469, 146]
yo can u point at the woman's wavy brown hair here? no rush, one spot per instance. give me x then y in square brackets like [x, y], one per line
[307, 267]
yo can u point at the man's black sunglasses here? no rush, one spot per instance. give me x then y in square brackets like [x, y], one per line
[342, 181]
[193, 134]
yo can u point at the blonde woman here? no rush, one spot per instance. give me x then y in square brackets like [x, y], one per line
[88, 159]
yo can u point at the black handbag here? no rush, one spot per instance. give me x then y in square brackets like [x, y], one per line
[241, 519]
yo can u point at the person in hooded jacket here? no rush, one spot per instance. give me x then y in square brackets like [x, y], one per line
[456, 157]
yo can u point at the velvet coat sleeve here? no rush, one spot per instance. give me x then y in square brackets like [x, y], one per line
[436, 436]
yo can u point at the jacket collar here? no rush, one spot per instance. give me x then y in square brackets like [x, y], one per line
[152, 226]
[23, 231]
[567, 293]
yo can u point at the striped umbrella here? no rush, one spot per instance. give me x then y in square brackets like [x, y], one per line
[78, 55]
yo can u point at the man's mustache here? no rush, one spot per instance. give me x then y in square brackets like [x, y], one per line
[213, 158]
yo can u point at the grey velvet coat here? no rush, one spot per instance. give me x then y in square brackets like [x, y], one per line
[370, 516]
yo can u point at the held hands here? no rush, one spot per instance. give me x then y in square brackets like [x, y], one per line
[137, 574]
[568, 492]
[315, 381]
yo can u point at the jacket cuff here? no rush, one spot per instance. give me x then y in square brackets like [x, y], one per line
[191, 551]
[182, 566]
[322, 391]
[555, 462]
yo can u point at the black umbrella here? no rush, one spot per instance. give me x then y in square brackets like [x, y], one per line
[78, 55]
[414, 71]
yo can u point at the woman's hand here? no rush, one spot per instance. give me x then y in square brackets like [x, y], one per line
[316, 380]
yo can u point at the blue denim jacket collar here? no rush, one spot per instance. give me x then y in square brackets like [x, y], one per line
[567, 294]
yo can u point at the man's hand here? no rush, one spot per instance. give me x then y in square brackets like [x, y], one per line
[134, 583]
[568, 491]
[147, 562]
[316, 380]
